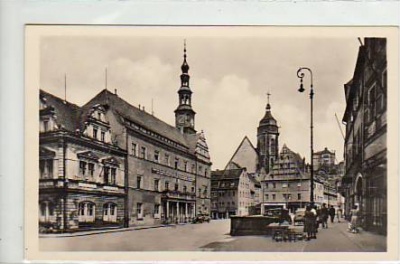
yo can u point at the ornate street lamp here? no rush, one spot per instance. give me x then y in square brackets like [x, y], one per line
[300, 74]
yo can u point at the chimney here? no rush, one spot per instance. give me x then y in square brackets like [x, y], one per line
[115, 91]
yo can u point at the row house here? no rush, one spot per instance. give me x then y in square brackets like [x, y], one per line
[365, 148]
[232, 193]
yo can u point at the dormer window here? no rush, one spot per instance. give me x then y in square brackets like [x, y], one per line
[97, 127]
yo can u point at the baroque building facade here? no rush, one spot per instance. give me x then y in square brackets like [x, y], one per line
[125, 166]
[81, 173]
[324, 160]
[288, 183]
[365, 180]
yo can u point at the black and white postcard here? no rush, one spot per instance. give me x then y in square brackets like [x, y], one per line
[211, 143]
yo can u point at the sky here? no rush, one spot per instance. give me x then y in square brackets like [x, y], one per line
[230, 79]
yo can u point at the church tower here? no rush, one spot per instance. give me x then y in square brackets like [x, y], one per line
[184, 114]
[267, 140]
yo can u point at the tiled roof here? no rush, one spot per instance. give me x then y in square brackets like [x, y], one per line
[192, 140]
[227, 174]
[67, 114]
[141, 117]
[73, 117]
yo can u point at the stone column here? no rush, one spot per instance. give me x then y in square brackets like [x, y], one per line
[186, 212]
[167, 214]
[177, 212]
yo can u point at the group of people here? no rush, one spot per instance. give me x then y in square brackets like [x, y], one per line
[315, 216]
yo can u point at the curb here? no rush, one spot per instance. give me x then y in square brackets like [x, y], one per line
[102, 231]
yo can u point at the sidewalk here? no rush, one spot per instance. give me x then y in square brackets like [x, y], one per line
[102, 231]
[367, 241]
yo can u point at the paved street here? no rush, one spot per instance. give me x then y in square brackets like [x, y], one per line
[214, 237]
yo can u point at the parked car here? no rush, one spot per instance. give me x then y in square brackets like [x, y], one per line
[201, 218]
[299, 216]
[279, 215]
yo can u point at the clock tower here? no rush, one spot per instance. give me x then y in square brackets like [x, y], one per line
[267, 140]
[184, 114]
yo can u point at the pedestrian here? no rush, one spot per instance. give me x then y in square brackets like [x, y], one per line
[354, 219]
[309, 223]
[315, 210]
[339, 213]
[332, 213]
[324, 216]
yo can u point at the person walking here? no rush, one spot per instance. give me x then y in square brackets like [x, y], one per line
[339, 213]
[309, 223]
[354, 219]
[315, 210]
[324, 216]
[332, 212]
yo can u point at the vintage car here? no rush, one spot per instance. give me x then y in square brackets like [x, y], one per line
[201, 218]
[299, 216]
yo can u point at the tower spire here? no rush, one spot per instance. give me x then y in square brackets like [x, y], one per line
[105, 77]
[267, 139]
[268, 105]
[65, 88]
[184, 49]
[184, 114]
[185, 67]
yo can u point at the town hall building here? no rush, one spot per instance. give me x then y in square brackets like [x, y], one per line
[111, 163]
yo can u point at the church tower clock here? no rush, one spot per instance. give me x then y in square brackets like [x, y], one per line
[184, 114]
[267, 140]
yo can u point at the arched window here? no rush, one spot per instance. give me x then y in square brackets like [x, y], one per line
[86, 212]
[110, 212]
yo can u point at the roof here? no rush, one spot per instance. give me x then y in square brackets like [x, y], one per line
[237, 161]
[226, 174]
[294, 155]
[67, 113]
[128, 111]
[254, 180]
[73, 117]
[268, 119]
[325, 151]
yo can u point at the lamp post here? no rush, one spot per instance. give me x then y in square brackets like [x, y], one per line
[300, 74]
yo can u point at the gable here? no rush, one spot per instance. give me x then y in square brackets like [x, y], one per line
[45, 153]
[88, 155]
[245, 156]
